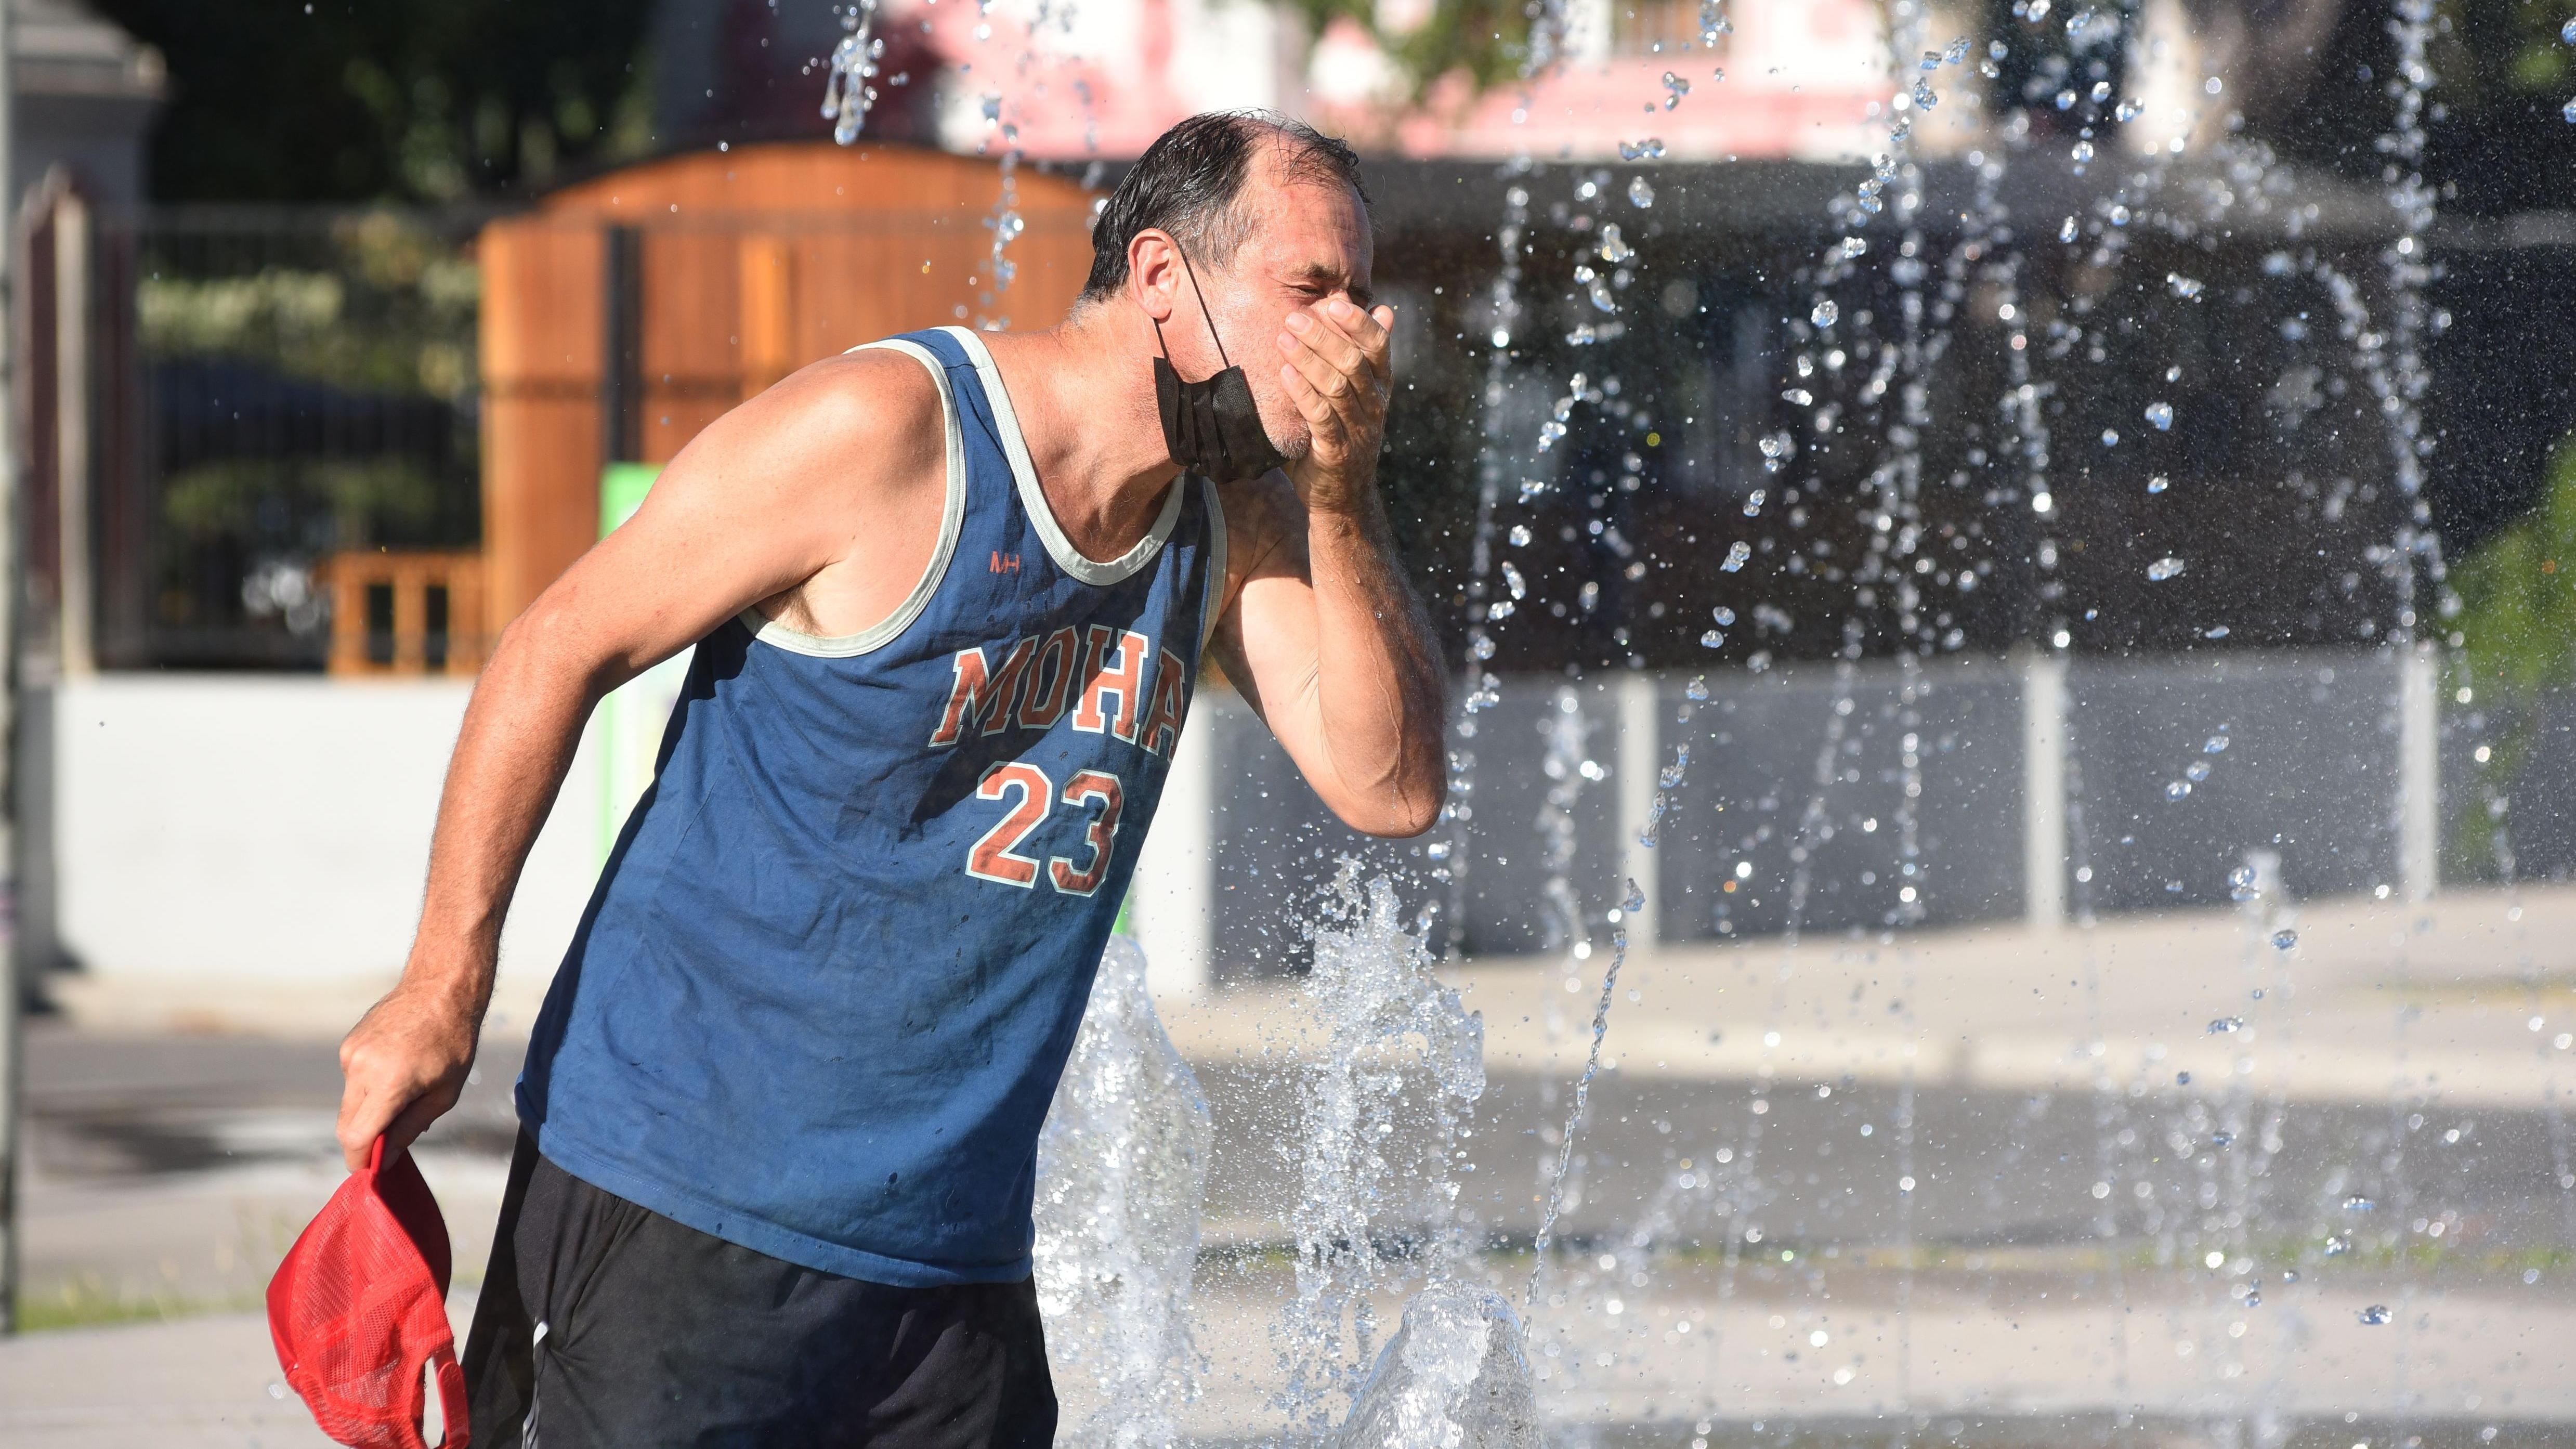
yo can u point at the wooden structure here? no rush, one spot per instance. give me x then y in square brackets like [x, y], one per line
[629, 311]
[409, 611]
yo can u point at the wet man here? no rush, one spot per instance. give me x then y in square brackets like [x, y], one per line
[949, 594]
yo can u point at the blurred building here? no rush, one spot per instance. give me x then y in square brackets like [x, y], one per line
[1101, 78]
[85, 93]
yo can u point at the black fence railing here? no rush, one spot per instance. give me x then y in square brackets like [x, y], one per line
[221, 401]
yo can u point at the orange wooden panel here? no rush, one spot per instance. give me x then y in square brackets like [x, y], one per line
[540, 496]
[810, 176]
[690, 322]
[765, 264]
[542, 298]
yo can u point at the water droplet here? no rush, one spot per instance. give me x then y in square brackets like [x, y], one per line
[1752, 505]
[2196, 771]
[2358, 1204]
[1724, 615]
[2066, 233]
[1615, 248]
[2128, 110]
[2284, 939]
[2174, 887]
[1641, 195]
[2164, 568]
[1958, 50]
[2567, 32]
[1711, 640]
[2082, 152]
[1697, 689]
[1513, 581]
[2222, 1139]
[2159, 483]
[1736, 553]
[2338, 1245]
[2242, 878]
[2161, 414]
[2182, 1079]
[2110, 437]
[2569, 111]
[1634, 900]
[2227, 1025]
[1855, 246]
[1825, 313]
[1798, 395]
[2253, 1296]
[2216, 745]
[2184, 287]
[1520, 535]
[1925, 96]
[2376, 1314]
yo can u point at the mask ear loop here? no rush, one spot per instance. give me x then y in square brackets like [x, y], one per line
[1203, 309]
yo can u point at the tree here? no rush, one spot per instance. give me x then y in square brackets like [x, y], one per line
[388, 100]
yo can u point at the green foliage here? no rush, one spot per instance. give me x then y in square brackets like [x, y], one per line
[403, 100]
[2518, 630]
[382, 305]
[294, 505]
[1485, 40]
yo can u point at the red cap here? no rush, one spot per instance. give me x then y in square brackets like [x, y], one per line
[359, 1310]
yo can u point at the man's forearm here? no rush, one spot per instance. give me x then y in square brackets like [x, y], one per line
[520, 730]
[1379, 685]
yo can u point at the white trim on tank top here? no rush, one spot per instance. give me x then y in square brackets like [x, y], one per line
[952, 522]
[1033, 497]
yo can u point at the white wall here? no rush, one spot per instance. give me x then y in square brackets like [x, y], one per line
[276, 829]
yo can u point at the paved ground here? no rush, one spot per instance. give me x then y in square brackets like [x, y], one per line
[180, 1140]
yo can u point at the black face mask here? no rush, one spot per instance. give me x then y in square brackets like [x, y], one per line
[1212, 428]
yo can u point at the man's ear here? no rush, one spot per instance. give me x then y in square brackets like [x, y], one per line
[1154, 277]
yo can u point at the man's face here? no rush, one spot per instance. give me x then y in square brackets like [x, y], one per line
[1309, 242]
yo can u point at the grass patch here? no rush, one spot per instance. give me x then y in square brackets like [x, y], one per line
[88, 1302]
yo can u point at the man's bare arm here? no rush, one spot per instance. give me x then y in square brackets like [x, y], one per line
[768, 496]
[1325, 638]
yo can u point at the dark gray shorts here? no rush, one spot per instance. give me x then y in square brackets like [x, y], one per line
[605, 1326]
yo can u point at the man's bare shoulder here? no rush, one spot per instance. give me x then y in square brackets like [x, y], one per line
[871, 417]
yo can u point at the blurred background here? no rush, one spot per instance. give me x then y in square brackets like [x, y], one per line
[336, 331]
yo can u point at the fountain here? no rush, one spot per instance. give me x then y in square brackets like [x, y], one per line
[1122, 1169]
[2140, 1158]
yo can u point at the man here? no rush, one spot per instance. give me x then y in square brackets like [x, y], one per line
[949, 595]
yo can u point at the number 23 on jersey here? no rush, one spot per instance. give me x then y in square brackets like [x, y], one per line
[996, 856]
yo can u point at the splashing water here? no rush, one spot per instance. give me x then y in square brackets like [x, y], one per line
[1455, 1376]
[1122, 1168]
[851, 91]
[1387, 1024]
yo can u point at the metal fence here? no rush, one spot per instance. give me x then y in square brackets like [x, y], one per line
[223, 400]
[2047, 787]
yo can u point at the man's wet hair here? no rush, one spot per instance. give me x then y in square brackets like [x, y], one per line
[1188, 182]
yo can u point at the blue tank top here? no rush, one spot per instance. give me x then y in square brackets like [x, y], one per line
[822, 993]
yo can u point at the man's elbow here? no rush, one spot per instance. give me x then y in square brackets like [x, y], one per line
[1398, 815]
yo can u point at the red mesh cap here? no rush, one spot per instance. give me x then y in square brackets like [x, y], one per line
[359, 1311]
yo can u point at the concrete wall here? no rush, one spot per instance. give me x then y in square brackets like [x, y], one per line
[275, 828]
